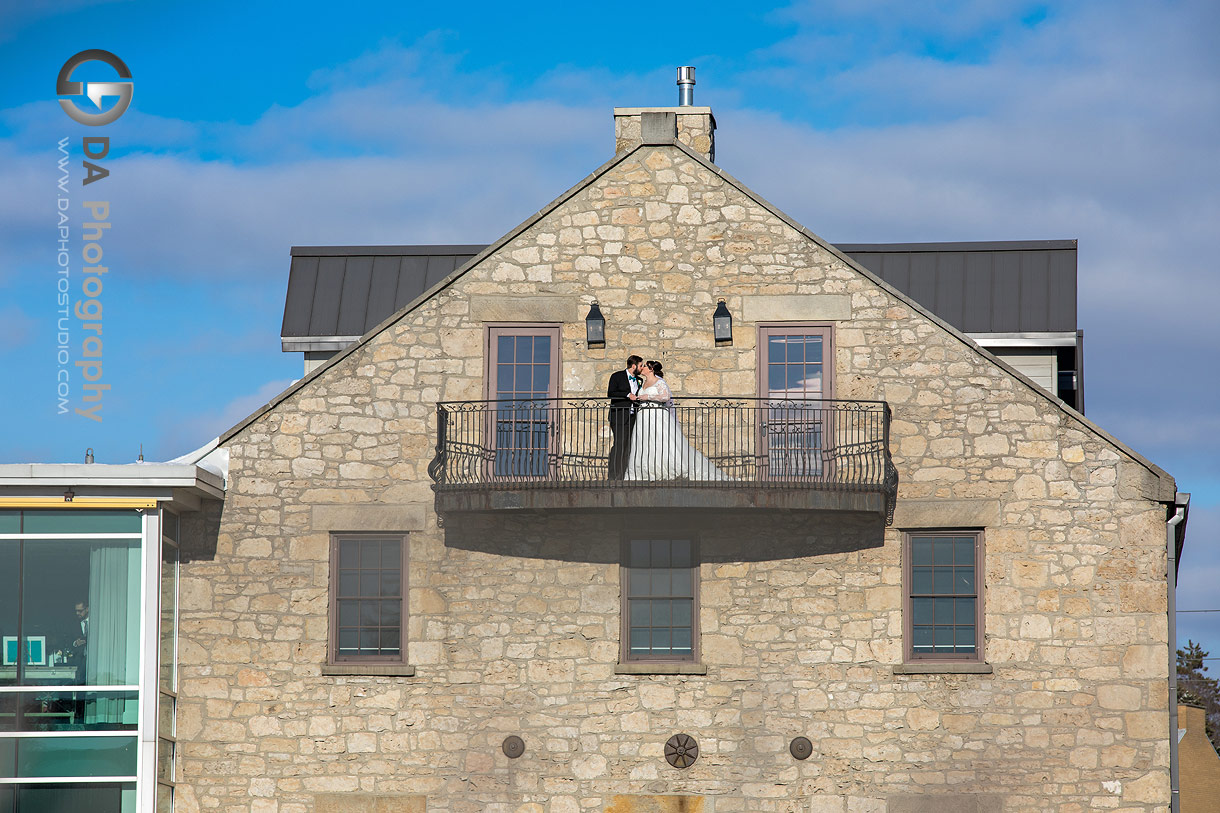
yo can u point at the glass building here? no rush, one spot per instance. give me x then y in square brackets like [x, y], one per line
[88, 632]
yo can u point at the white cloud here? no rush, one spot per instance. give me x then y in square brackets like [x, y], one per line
[182, 433]
[384, 164]
[16, 328]
[1098, 123]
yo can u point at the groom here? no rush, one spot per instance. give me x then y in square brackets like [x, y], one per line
[623, 385]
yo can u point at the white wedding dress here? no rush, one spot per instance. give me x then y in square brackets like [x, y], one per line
[659, 450]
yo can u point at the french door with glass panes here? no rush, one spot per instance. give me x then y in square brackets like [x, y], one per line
[796, 370]
[523, 383]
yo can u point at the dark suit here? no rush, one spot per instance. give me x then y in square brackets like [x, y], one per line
[622, 418]
[79, 652]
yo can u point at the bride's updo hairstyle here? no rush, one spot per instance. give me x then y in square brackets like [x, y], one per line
[656, 368]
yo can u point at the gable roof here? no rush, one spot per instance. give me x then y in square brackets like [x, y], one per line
[1168, 488]
[336, 294]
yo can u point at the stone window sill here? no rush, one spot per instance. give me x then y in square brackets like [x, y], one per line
[935, 668]
[369, 669]
[647, 668]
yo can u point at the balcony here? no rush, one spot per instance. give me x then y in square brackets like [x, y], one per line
[734, 453]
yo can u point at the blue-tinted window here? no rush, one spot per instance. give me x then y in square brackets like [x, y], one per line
[82, 521]
[794, 381]
[943, 590]
[660, 599]
[53, 797]
[76, 756]
[79, 619]
[70, 620]
[369, 598]
[523, 377]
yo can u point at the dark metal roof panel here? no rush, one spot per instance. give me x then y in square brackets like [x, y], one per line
[950, 293]
[978, 287]
[976, 290]
[383, 251]
[383, 289]
[1005, 297]
[439, 267]
[969, 245]
[348, 290]
[1062, 290]
[894, 269]
[298, 304]
[412, 273]
[354, 298]
[923, 268]
[1026, 286]
[1033, 304]
[328, 293]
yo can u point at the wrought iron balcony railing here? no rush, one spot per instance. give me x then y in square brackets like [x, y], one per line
[565, 443]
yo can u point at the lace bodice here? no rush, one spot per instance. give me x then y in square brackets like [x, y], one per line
[658, 391]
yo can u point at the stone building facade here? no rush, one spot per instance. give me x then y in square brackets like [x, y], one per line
[514, 624]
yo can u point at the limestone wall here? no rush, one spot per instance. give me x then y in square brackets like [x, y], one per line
[694, 127]
[514, 621]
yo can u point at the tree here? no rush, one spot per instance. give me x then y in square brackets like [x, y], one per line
[1197, 689]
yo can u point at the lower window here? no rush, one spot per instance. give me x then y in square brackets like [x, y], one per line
[660, 610]
[943, 590]
[368, 598]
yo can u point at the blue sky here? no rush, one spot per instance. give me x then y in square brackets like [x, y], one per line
[253, 130]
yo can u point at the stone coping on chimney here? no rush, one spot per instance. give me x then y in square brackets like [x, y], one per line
[635, 111]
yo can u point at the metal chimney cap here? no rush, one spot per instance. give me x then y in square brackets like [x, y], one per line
[686, 86]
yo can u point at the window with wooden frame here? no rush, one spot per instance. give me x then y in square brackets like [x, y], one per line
[660, 589]
[368, 598]
[943, 595]
[523, 379]
[795, 374]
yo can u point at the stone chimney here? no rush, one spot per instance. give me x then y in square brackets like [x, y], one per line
[694, 127]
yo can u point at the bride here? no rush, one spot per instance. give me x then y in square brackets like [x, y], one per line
[659, 450]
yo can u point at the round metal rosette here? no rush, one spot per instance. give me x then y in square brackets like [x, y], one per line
[681, 750]
[800, 747]
[513, 746]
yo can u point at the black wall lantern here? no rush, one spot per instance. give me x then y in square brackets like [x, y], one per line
[595, 326]
[722, 325]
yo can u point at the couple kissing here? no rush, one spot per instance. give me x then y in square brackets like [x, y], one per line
[648, 441]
